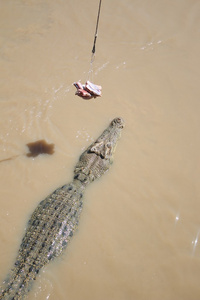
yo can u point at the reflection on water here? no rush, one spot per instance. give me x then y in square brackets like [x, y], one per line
[195, 242]
[139, 233]
[177, 218]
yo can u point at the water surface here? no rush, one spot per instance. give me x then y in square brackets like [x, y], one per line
[139, 232]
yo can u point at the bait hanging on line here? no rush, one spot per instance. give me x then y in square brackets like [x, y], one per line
[90, 90]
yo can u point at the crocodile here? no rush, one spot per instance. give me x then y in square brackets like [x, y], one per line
[55, 220]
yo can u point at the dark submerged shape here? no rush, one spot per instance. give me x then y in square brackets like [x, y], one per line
[39, 147]
[56, 218]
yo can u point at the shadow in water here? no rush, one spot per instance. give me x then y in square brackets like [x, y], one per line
[39, 147]
[35, 148]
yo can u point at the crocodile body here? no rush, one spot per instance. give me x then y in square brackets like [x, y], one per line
[56, 218]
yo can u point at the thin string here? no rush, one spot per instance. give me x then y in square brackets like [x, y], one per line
[95, 36]
[91, 70]
[90, 73]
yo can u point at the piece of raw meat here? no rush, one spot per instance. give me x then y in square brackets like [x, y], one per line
[87, 91]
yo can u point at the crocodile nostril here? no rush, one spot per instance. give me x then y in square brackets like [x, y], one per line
[119, 122]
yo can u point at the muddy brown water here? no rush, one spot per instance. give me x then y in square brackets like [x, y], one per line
[139, 232]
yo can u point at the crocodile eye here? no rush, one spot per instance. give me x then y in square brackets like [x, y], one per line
[108, 145]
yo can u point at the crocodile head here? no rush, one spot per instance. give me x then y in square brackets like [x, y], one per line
[96, 160]
[105, 145]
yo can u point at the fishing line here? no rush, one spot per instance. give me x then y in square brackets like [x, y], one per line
[95, 37]
[94, 43]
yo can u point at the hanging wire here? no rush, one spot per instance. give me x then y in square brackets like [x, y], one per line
[95, 37]
[94, 43]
